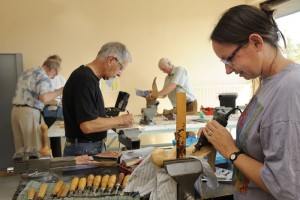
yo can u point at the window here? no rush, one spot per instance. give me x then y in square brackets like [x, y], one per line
[291, 31]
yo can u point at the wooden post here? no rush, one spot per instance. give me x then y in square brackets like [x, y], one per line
[180, 134]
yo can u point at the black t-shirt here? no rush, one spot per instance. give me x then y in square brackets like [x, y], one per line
[82, 101]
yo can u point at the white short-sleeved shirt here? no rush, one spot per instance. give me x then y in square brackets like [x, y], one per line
[180, 78]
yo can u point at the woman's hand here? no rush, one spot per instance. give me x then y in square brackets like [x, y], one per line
[220, 138]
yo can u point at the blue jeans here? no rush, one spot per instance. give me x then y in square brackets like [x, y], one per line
[78, 149]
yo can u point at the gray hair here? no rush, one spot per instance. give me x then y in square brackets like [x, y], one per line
[115, 49]
[52, 63]
[164, 61]
[55, 57]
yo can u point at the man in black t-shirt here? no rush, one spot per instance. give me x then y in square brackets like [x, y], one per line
[85, 119]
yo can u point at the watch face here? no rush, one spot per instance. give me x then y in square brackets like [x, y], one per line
[232, 156]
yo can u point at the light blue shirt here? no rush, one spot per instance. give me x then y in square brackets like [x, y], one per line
[31, 84]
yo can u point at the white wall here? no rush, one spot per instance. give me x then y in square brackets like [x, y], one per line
[76, 29]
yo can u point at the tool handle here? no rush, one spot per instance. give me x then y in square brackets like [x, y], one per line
[60, 191]
[90, 180]
[65, 191]
[74, 184]
[202, 141]
[97, 181]
[31, 193]
[42, 191]
[125, 181]
[82, 184]
[57, 187]
[104, 181]
[120, 178]
[112, 181]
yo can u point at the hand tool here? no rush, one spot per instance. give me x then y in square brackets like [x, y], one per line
[31, 193]
[221, 119]
[60, 191]
[74, 185]
[124, 183]
[96, 183]
[65, 191]
[89, 182]
[57, 187]
[104, 183]
[119, 181]
[42, 191]
[81, 185]
[111, 183]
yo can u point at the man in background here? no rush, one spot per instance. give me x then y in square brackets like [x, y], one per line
[85, 119]
[33, 91]
[176, 81]
[53, 110]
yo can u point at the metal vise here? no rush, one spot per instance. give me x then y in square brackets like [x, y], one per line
[149, 113]
[185, 172]
[129, 138]
[29, 160]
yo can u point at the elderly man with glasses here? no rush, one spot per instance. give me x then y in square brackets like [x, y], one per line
[85, 119]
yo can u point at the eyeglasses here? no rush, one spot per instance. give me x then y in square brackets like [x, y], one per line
[228, 61]
[121, 66]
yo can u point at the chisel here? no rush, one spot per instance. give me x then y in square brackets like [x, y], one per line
[81, 185]
[74, 185]
[57, 187]
[42, 191]
[89, 183]
[60, 191]
[124, 183]
[119, 181]
[65, 191]
[96, 183]
[111, 183]
[104, 183]
[31, 193]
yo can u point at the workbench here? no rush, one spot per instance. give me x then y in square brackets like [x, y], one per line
[159, 134]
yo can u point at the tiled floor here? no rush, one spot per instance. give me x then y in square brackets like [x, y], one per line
[9, 185]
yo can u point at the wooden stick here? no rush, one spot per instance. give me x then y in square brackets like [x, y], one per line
[181, 134]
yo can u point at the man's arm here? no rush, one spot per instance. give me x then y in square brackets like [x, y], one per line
[49, 96]
[166, 90]
[103, 124]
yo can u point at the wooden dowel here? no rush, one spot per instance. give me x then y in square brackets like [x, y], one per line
[181, 134]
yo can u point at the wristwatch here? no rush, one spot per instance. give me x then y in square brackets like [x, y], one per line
[234, 155]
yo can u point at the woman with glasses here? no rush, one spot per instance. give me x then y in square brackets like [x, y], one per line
[266, 153]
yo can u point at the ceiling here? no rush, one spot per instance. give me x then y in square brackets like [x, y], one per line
[287, 8]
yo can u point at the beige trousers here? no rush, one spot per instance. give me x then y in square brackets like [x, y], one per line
[25, 123]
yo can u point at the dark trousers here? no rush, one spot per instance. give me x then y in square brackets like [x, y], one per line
[55, 142]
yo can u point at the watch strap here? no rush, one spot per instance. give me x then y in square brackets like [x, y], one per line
[234, 155]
